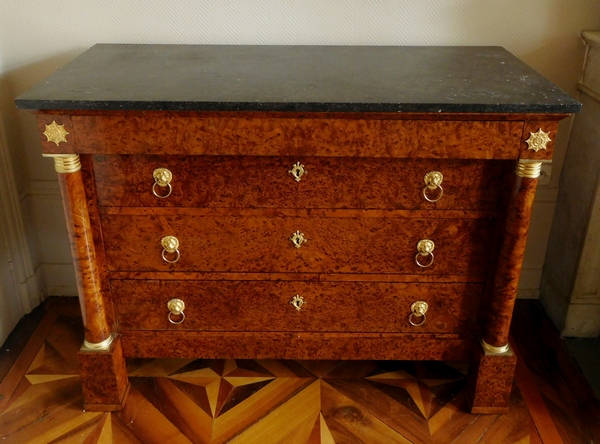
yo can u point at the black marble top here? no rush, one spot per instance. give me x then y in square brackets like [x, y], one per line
[298, 78]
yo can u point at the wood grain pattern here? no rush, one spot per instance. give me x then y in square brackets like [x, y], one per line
[539, 412]
[94, 218]
[17, 339]
[550, 127]
[421, 401]
[334, 245]
[234, 208]
[265, 182]
[553, 371]
[11, 380]
[510, 261]
[298, 212]
[84, 257]
[104, 378]
[163, 132]
[490, 381]
[307, 277]
[297, 345]
[265, 306]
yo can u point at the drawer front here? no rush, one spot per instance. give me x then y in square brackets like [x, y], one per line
[327, 182]
[327, 244]
[266, 306]
[272, 135]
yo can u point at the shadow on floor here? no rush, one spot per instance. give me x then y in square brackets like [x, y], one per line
[587, 353]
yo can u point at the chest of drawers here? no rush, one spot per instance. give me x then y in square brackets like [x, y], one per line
[294, 203]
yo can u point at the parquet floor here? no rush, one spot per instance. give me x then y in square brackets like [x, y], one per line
[255, 401]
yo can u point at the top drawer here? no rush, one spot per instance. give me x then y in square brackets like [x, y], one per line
[271, 134]
[273, 182]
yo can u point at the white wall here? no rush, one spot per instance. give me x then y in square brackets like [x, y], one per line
[19, 289]
[10, 312]
[37, 37]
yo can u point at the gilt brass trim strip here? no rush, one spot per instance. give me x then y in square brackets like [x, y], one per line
[98, 346]
[493, 350]
[65, 163]
[528, 169]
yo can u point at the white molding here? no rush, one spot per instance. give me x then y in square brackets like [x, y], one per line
[589, 91]
[11, 221]
[591, 38]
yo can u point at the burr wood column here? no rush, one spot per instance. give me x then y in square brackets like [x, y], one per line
[492, 368]
[97, 332]
[510, 261]
[101, 362]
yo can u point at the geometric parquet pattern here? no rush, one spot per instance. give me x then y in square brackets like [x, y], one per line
[252, 401]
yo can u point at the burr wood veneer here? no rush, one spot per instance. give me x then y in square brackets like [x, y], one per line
[237, 227]
[330, 182]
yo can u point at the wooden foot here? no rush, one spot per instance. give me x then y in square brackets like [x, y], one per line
[490, 380]
[104, 378]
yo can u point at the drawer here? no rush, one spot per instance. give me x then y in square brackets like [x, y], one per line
[266, 182]
[263, 244]
[266, 306]
[274, 135]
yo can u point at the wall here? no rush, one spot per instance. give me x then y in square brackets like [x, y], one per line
[570, 286]
[19, 288]
[36, 38]
[10, 311]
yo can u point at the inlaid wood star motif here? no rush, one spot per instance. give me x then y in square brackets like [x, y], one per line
[224, 384]
[538, 140]
[423, 389]
[56, 133]
[252, 401]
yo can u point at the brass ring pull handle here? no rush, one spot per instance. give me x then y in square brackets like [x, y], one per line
[162, 178]
[417, 313]
[433, 181]
[297, 239]
[297, 171]
[170, 246]
[297, 301]
[424, 257]
[176, 307]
